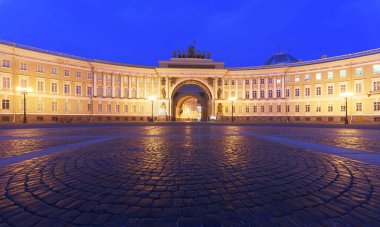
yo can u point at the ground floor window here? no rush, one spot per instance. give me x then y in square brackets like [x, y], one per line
[376, 106]
[359, 106]
[5, 104]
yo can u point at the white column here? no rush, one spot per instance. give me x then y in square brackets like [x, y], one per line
[129, 86]
[113, 85]
[244, 88]
[121, 86]
[275, 87]
[104, 85]
[251, 90]
[145, 87]
[266, 88]
[167, 88]
[159, 88]
[229, 87]
[137, 87]
[215, 88]
[152, 86]
[223, 89]
[283, 86]
[236, 88]
[95, 89]
[259, 88]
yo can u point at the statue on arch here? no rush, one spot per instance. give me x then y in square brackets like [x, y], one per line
[163, 93]
[219, 93]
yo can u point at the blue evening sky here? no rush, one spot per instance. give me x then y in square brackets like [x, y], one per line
[239, 33]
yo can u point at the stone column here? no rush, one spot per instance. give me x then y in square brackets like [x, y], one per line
[283, 86]
[275, 88]
[145, 96]
[244, 88]
[258, 88]
[216, 88]
[95, 89]
[251, 90]
[121, 86]
[104, 85]
[266, 88]
[129, 86]
[113, 86]
[137, 87]
[223, 89]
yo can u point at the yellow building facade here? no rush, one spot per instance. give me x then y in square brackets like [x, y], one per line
[66, 88]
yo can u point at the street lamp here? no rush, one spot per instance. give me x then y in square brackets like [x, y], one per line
[152, 98]
[232, 99]
[346, 95]
[24, 91]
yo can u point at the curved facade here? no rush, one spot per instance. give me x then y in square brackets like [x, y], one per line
[66, 88]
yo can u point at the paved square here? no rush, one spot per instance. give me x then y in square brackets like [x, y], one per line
[189, 175]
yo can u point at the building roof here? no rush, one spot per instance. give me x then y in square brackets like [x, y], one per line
[280, 58]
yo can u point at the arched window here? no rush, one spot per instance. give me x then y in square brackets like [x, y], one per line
[100, 91]
[109, 91]
[117, 92]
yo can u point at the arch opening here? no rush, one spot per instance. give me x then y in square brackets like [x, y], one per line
[191, 101]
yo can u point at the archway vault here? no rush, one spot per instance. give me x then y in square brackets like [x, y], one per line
[205, 100]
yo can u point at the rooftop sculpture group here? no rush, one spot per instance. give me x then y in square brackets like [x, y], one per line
[191, 53]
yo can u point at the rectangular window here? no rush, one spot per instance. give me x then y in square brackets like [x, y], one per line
[343, 108]
[254, 81]
[246, 82]
[40, 86]
[78, 90]
[318, 108]
[343, 73]
[67, 72]
[307, 108]
[330, 75]
[89, 107]
[226, 82]
[342, 88]
[270, 109]
[297, 108]
[54, 71]
[278, 93]
[254, 109]
[40, 105]
[118, 108]
[100, 77]
[376, 106]
[358, 88]
[89, 91]
[23, 66]
[5, 104]
[232, 82]
[40, 68]
[262, 109]
[330, 108]
[109, 108]
[79, 74]
[66, 89]
[376, 69]
[318, 76]
[100, 107]
[287, 108]
[278, 109]
[254, 94]
[297, 79]
[270, 94]
[318, 91]
[330, 90]
[247, 94]
[247, 109]
[54, 106]
[297, 92]
[54, 88]
[376, 85]
[278, 80]
[240, 82]
[262, 81]
[262, 94]
[6, 83]
[287, 79]
[270, 80]
[126, 108]
[307, 77]
[307, 91]
[287, 92]
[359, 106]
[89, 76]
[358, 71]
[23, 83]
[6, 64]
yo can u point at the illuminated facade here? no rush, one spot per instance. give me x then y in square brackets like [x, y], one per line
[66, 88]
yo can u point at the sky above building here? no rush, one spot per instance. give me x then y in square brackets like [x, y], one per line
[239, 33]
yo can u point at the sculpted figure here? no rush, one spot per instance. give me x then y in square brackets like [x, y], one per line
[163, 82]
[163, 93]
[219, 93]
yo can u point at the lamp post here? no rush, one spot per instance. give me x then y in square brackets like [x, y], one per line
[232, 99]
[24, 91]
[152, 98]
[346, 95]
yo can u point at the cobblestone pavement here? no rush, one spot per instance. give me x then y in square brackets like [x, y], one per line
[187, 175]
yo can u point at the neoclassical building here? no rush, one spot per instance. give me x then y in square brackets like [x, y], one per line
[190, 86]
